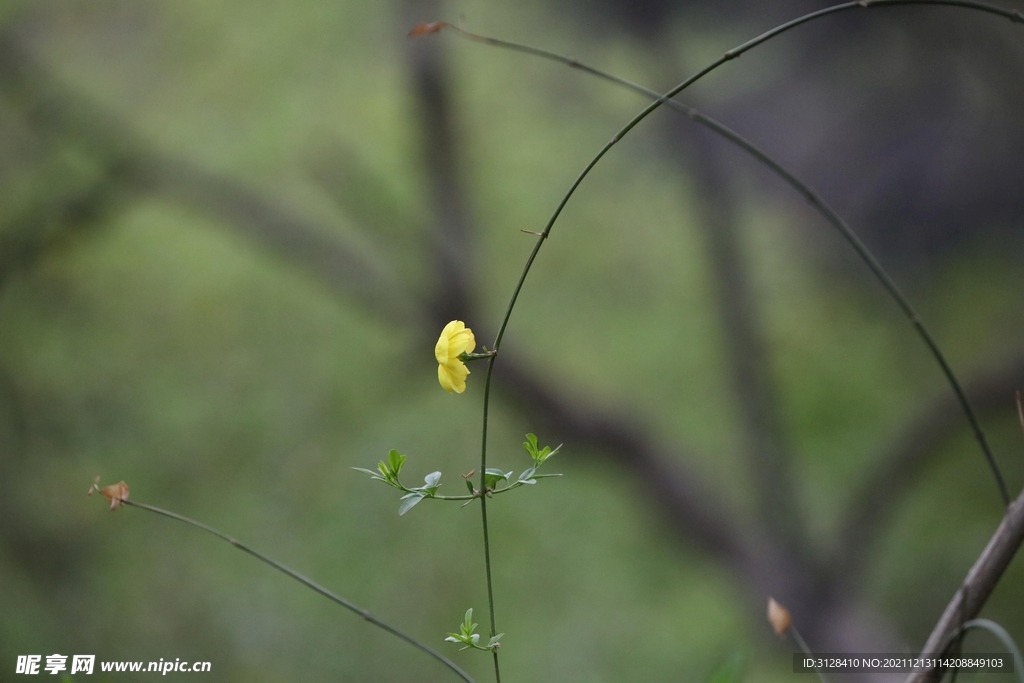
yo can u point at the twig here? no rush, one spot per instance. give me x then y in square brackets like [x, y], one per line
[976, 587]
[308, 583]
[483, 511]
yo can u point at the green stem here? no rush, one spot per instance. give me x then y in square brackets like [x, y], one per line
[483, 509]
[482, 355]
[309, 583]
[830, 215]
[1000, 633]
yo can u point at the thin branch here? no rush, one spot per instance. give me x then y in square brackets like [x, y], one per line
[483, 513]
[976, 587]
[308, 583]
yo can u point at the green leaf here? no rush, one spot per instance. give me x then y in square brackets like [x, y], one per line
[432, 479]
[531, 445]
[538, 454]
[373, 475]
[493, 475]
[494, 641]
[395, 461]
[469, 485]
[409, 501]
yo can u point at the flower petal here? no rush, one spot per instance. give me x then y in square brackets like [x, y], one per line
[461, 342]
[441, 349]
[445, 378]
[455, 374]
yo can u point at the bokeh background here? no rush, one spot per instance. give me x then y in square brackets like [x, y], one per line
[230, 232]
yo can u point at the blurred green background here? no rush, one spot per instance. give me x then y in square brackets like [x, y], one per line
[230, 232]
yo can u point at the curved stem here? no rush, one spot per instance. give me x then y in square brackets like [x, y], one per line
[1001, 634]
[829, 214]
[309, 583]
[992, 627]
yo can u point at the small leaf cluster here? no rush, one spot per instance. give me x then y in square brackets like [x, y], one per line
[388, 472]
[468, 636]
[540, 456]
[494, 476]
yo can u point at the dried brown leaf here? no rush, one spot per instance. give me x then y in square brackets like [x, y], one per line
[779, 617]
[423, 28]
[115, 493]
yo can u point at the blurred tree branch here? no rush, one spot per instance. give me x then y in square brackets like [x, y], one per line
[49, 227]
[58, 112]
[453, 232]
[754, 388]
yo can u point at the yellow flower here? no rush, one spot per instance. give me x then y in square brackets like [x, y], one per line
[455, 339]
